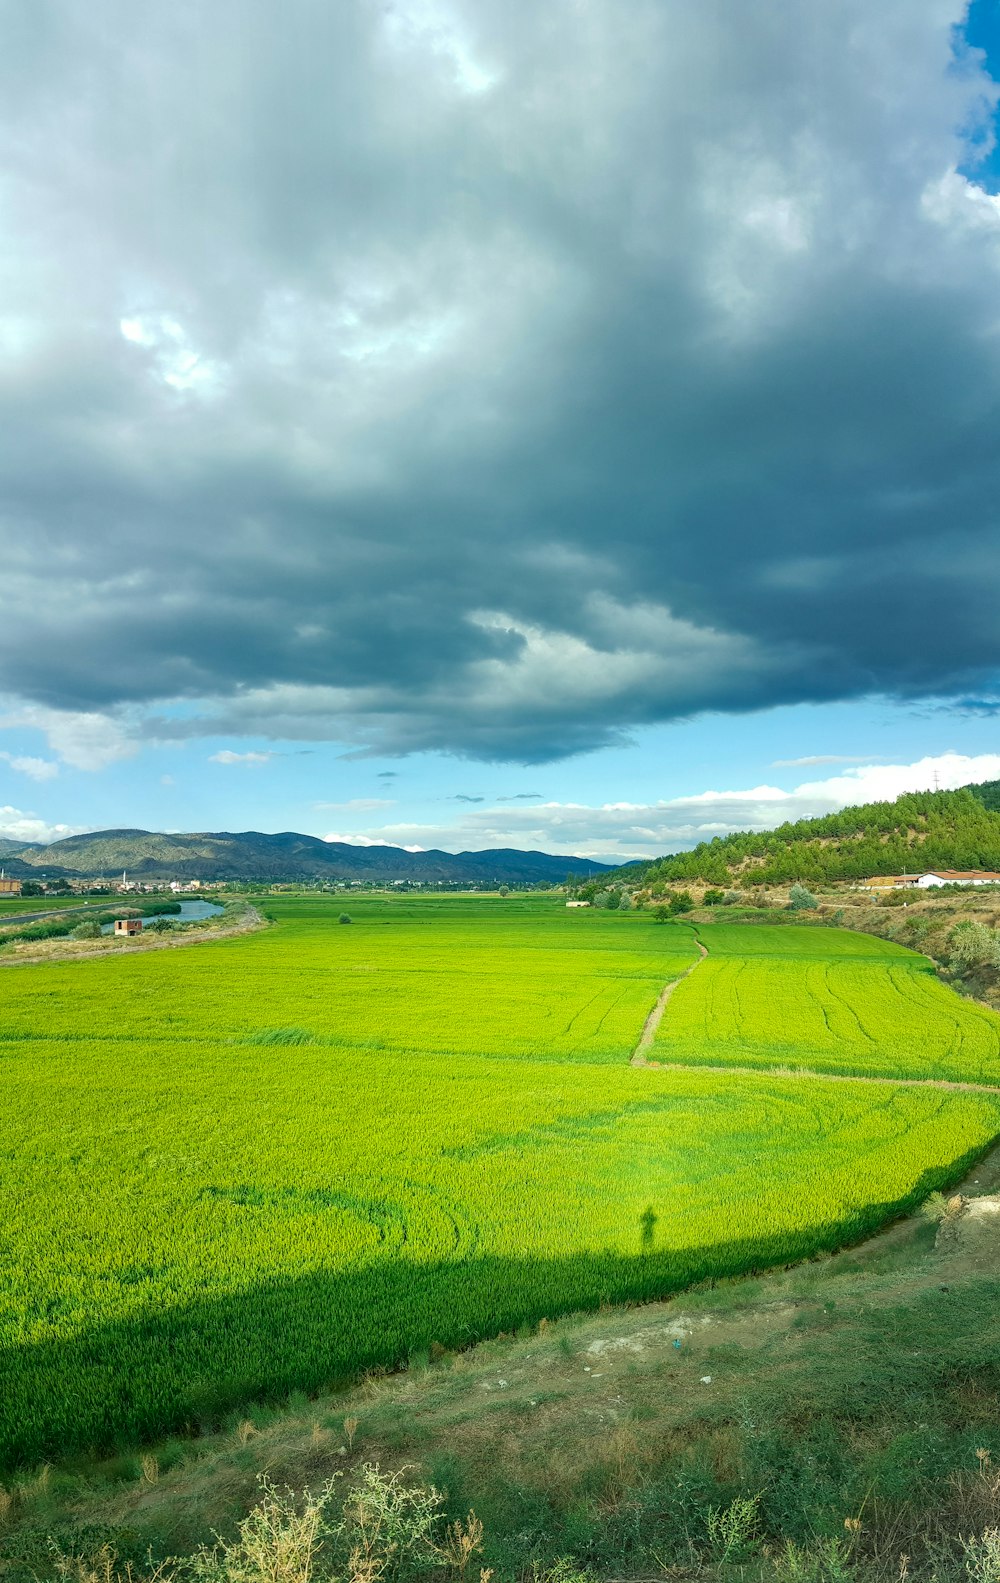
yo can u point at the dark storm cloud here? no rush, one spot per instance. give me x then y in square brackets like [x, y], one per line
[491, 377]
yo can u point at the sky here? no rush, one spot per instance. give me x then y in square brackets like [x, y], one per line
[470, 423]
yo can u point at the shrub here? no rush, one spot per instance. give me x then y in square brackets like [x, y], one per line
[625, 904]
[973, 945]
[798, 896]
[679, 901]
[731, 898]
[712, 898]
[345, 917]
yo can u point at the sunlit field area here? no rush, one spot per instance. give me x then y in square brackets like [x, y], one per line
[269, 1163]
[829, 1001]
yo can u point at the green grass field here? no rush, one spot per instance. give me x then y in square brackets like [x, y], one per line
[829, 1001]
[268, 1163]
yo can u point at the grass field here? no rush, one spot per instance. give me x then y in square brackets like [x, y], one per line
[268, 1163]
[826, 1000]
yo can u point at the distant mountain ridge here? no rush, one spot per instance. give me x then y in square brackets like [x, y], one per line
[253, 855]
[919, 830]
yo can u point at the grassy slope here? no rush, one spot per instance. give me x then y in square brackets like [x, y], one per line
[863, 1386]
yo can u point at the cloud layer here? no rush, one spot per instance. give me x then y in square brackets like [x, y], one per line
[488, 376]
[621, 831]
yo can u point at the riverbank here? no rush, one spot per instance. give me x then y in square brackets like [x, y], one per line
[238, 916]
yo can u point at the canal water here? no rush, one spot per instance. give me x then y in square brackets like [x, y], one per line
[190, 910]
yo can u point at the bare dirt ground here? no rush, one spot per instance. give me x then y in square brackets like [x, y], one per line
[656, 1015]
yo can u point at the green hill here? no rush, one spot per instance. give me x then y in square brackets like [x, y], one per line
[920, 830]
[253, 855]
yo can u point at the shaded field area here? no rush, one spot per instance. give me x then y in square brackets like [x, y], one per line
[273, 1164]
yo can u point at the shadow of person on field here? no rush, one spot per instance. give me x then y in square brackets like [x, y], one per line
[181, 1366]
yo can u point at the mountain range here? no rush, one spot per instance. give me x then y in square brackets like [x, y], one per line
[251, 855]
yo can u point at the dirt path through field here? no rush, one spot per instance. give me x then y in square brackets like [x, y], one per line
[653, 1020]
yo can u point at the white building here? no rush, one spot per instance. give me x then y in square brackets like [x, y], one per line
[957, 876]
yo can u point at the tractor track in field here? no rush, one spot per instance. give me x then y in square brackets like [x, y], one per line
[640, 1058]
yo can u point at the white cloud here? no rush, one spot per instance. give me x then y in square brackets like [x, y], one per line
[19, 826]
[35, 769]
[619, 831]
[173, 359]
[86, 740]
[351, 838]
[227, 756]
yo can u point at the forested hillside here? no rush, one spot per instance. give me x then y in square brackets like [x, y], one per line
[947, 829]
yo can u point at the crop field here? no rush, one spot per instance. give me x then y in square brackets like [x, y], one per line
[829, 1001]
[265, 1164]
[488, 976]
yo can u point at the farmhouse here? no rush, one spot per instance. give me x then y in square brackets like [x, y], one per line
[958, 876]
[10, 887]
[128, 926]
[929, 881]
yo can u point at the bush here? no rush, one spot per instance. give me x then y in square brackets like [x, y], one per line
[973, 945]
[679, 901]
[625, 904]
[345, 917]
[91, 930]
[798, 896]
[731, 898]
[387, 1531]
[712, 898]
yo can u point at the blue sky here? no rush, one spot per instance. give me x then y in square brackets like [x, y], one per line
[465, 424]
[981, 31]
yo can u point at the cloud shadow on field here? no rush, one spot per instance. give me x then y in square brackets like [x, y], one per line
[183, 1368]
